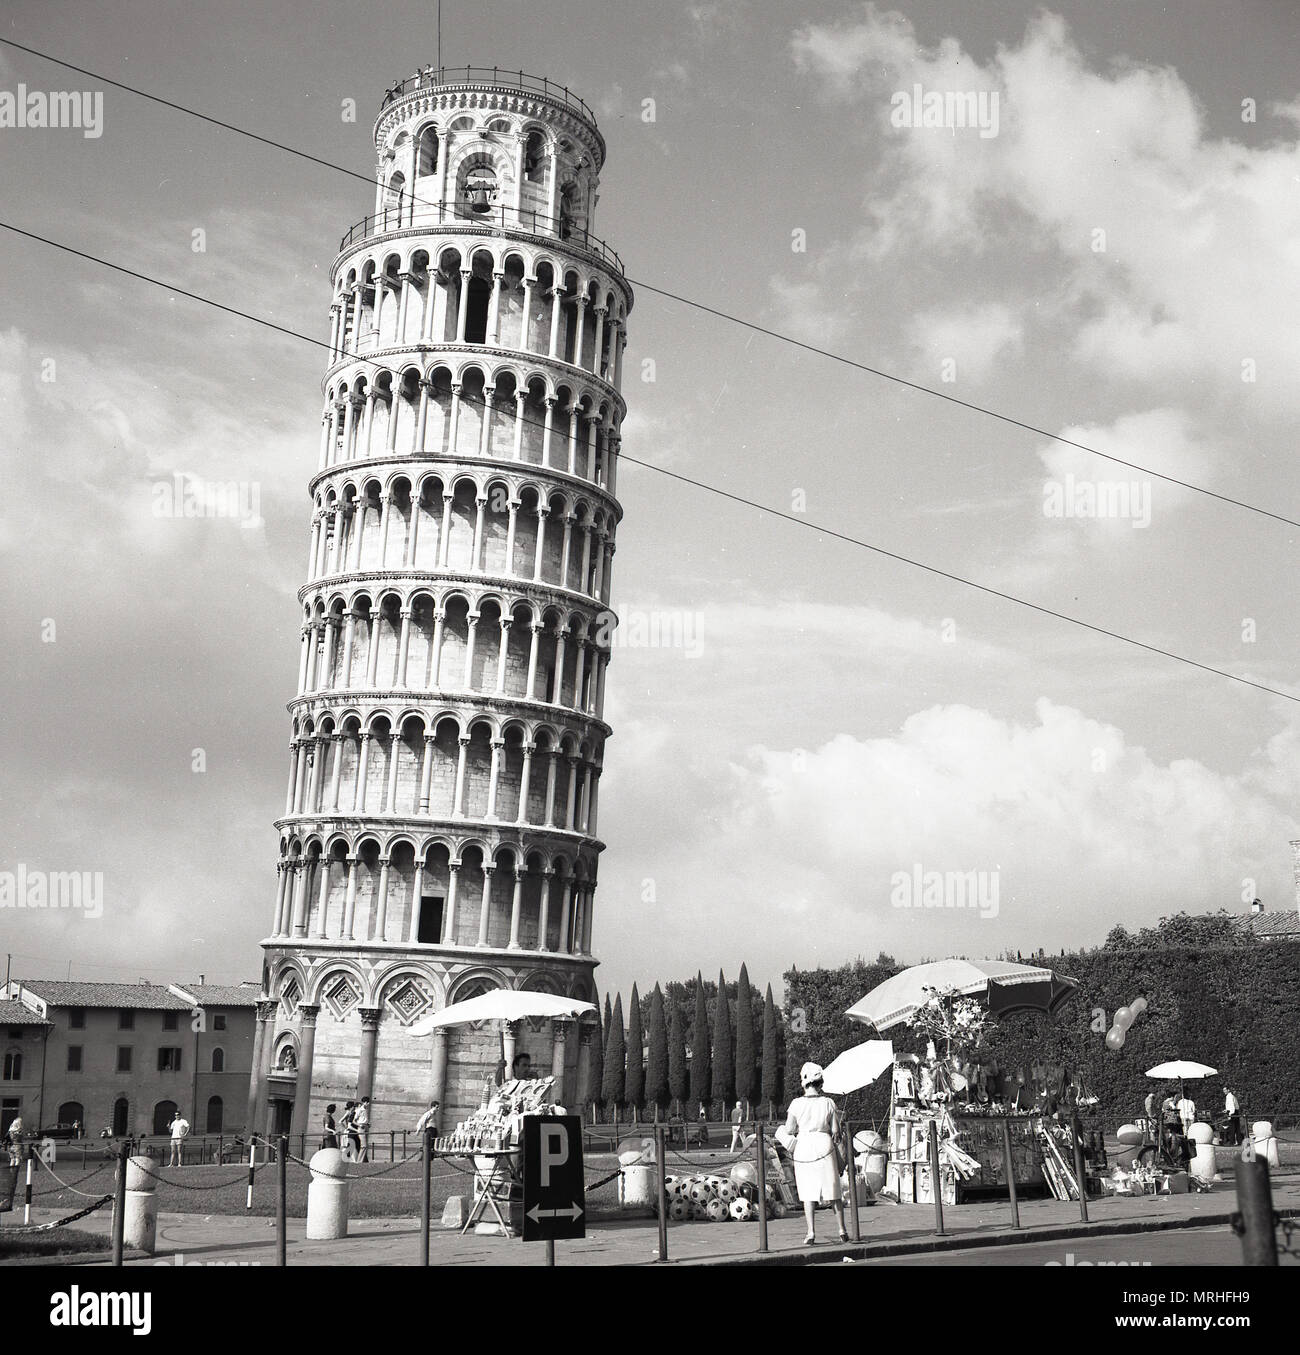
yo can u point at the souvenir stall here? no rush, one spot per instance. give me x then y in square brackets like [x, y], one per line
[992, 1125]
[491, 1139]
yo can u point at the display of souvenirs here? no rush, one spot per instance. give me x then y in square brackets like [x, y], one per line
[498, 1122]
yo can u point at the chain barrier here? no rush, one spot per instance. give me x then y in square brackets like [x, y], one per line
[60, 1223]
[242, 1178]
[85, 1194]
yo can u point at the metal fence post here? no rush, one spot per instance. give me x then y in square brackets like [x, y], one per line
[426, 1193]
[936, 1177]
[1011, 1172]
[1255, 1203]
[853, 1181]
[762, 1187]
[662, 1192]
[119, 1203]
[1080, 1171]
[281, 1200]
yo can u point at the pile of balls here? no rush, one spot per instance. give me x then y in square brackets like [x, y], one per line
[717, 1199]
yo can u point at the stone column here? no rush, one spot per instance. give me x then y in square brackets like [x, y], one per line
[462, 308]
[444, 539]
[458, 802]
[494, 774]
[381, 908]
[516, 908]
[586, 1041]
[369, 1042]
[438, 1068]
[359, 786]
[539, 557]
[435, 647]
[485, 908]
[522, 815]
[306, 1051]
[510, 1037]
[417, 889]
[503, 655]
[350, 900]
[281, 892]
[257, 1078]
[426, 774]
[544, 915]
[449, 918]
[560, 1027]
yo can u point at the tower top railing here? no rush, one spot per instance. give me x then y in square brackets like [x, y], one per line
[412, 215]
[427, 78]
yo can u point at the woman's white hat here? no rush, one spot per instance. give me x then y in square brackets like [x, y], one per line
[810, 1072]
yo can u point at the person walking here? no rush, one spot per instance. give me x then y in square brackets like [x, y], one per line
[814, 1122]
[350, 1140]
[1186, 1113]
[737, 1128]
[429, 1120]
[180, 1128]
[330, 1138]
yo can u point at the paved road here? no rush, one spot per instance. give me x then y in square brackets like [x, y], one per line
[1178, 1247]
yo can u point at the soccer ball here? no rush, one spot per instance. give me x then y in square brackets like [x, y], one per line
[741, 1211]
[717, 1211]
[679, 1210]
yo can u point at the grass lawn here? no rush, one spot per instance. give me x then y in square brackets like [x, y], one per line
[53, 1242]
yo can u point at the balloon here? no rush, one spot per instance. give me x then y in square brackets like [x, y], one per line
[1115, 1038]
[1138, 1006]
[1123, 1018]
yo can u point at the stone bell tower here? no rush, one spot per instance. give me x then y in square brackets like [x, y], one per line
[439, 836]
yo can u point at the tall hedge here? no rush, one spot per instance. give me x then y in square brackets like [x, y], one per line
[634, 1082]
[724, 1057]
[746, 1062]
[615, 1053]
[656, 1078]
[678, 1074]
[700, 1046]
[771, 1089]
[1235, 1007]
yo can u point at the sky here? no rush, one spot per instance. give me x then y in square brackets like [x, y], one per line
[840, 734]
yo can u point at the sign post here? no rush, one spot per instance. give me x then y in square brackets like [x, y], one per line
[555, 1204]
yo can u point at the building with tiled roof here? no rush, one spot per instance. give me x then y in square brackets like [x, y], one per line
[1280, 926]
[127, 1056]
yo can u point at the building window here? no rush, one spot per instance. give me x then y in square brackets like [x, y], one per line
[218, 1060]
[74, 1058]
[219, 1021]
[216, 1115]
[121, 1115]
[16, 1033]
[9, 1108]
[77, 1018]
[125, 1020]
[169, 1059]
[13, 1066]
[171, 1020]
[72, 1112]
[124, 1058]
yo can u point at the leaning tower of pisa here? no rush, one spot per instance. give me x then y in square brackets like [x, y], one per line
[440, 836]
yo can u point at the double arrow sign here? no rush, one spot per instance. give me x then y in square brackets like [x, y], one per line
[572, 1211]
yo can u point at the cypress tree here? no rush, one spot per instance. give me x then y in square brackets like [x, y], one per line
[615, 1053]
[771, 1066]
[746, 1064]
[656, 1078]
[678, 1083]
[724, 1057]
[634, 1081]
[700, 1046]
[598, 1058]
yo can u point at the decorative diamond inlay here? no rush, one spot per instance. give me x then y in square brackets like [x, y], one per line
[291, 995]
[342, 996]
[410, 1000]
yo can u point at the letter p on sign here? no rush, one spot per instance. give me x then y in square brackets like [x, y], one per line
[555, 1151]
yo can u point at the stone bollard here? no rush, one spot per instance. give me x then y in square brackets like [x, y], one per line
[1265, 1141]
[140, 1216]
[327, 1196]
[638, 1190]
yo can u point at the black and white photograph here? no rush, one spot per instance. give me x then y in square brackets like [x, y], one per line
[650, 635]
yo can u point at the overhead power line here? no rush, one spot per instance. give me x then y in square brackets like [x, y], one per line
[699, 484]
[750, 325]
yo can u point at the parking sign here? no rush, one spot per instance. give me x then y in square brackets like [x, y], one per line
[554, 1190]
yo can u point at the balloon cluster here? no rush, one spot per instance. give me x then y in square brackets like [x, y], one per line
[1124, 1018]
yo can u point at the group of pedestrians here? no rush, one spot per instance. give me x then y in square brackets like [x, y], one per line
[351, 1132]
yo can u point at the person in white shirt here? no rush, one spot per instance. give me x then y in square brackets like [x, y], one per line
[180, 1128]
[1186, 1112]
[429, 1120]
[361, 1121]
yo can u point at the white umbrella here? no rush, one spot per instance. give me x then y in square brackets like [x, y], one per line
[502, 1004]
[857, 1067]
[1180, 1069]
[1013, 985]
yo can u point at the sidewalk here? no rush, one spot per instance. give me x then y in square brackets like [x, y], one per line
[887, 1230]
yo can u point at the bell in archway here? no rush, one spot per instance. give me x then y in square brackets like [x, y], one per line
[478, 196]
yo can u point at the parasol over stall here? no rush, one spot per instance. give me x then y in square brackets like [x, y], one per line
[1005, 987]
[1181, 1069]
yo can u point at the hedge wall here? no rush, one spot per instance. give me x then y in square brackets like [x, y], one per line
[1237, 1009]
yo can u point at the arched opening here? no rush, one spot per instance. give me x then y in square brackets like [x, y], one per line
[121, 1117]
[163, 1114]
[216, 1115]
[218, 1060]
[72, 1112]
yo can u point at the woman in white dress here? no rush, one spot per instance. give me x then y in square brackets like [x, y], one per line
[814, 1122]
